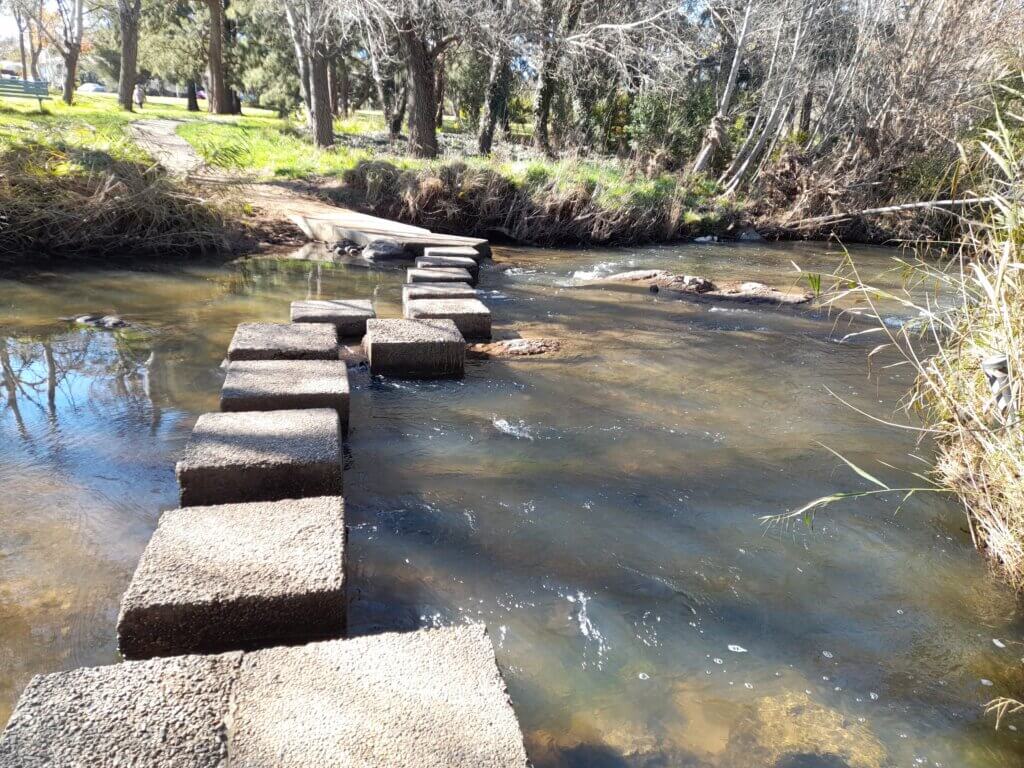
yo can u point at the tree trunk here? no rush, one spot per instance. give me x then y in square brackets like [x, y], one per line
[19, 20]
[321, 116]
[439, 91]
[419, 62]
[192, 96]
[344, 87]
[805, 113]
[716, 133]
[218, 96]
[332, 85]
[495, 100]
[71, 71]
[128, 12]
[398, 114]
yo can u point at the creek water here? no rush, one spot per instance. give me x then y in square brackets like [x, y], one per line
[599, 509]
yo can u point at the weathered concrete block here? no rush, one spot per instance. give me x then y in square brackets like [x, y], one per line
[412, 291]
[273, 385]
[427, 698]
[237, 576]
[448, 262]
[283, 341]
[438, 275]
[164, 712]
[471, 316]
[261, 456]
[415, 348]
[477, 255]
[349, 316]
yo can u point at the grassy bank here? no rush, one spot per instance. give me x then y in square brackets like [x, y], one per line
[73, 184]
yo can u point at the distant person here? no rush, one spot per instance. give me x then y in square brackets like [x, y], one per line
[139, 95]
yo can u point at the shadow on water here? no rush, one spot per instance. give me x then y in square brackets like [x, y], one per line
[598, 510]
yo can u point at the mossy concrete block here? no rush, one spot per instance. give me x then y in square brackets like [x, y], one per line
[415, 348]
[261, 456]
[237, 576]
[284, 341]
[412, 291]
[428, 698]
[349, 316]
[272, 385]
[438, 275]
[471, 316]
[476, 254]
[163, 712]
[448, 262]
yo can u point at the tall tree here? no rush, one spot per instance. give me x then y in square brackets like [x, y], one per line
[219, 97]
[310, 25]
[129, 13]
[67, 36]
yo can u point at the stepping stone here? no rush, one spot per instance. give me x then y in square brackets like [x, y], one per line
[458, 262]
[428, 698]
[349, 316]
[162, 712]
[261, 456]
[415, 348]
[283, 341]
[399, 700]
[471, 316]
[237, 576]
[438, 275]
[456, 250]
[272, 385]
[411, 291]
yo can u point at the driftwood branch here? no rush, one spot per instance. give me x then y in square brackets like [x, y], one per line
[935, 204]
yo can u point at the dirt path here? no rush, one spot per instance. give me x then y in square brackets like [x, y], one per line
[295, 203]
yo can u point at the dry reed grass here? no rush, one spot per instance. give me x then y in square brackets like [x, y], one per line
[65, 202]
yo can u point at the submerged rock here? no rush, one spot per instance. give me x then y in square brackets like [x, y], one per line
[514, 348]
[382, 250]
[749, 291]
[103, 322]
[750, 235]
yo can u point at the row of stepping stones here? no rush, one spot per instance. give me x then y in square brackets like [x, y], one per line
[233, 620]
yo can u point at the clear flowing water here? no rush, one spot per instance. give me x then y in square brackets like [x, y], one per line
[600, 510]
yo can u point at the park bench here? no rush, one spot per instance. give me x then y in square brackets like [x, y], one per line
[25, 89]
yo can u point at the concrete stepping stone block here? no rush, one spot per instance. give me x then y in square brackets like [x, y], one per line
[415, 348]
[273, 385]
[471, 316]
[237, 576]
[457, 262]
[438, 275]
[429, 698]
[412, 291]
[261, 456]
[406, 700]
[349, 316]
[283, 341]
[162, 712]
[457, 250]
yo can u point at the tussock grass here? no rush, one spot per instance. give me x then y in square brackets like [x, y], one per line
[538, 203]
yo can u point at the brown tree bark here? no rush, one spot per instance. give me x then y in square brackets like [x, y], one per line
[19, 21]
[439, 91]
[419, 60]
[70, 56]
[495, 100]
[192, 96]
[128, 13]
[344, 87]
[219, 98]
[320, 112]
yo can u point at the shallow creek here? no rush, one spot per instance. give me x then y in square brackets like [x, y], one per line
[599, 509]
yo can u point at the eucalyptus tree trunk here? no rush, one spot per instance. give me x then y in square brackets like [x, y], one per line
[220, 101]
[128, 12]
[495, 100]
[70, 56]
[19, 21]
[192, 96]
[556, 26]
[321, 115]
[422, 95]
[715, 136]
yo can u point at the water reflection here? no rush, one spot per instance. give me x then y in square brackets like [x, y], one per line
[598, 510]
